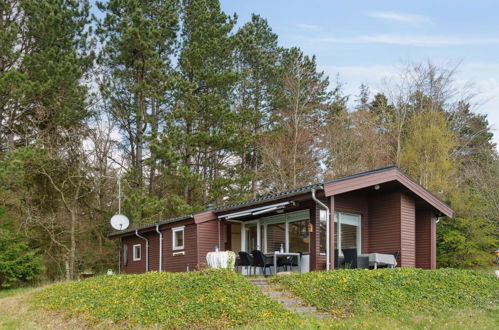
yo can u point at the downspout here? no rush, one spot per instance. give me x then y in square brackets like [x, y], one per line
[327, 226]
[147, 248]
[219, 240]
[160, 248]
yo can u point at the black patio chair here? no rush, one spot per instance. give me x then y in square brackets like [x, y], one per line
[338, 260]
[262, 261]
[236, 263]
[288, 261]
[350, 258]
[245, 260]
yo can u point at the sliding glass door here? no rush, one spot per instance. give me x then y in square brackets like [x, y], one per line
[299, 237]
[347, 231]
[287, 231]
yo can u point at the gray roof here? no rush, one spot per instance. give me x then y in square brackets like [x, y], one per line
[151, 225]
[258, 200]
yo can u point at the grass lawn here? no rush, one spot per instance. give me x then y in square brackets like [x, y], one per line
[383, 299]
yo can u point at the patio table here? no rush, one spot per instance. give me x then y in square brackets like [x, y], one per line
[376, 259]
[286, 254]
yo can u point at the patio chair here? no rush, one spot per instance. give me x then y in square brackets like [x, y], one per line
[338, 260]
[245, 260]
[289, 261]
[350, 258]
[262, 261]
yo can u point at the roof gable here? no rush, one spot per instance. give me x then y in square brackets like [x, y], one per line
[380, 176]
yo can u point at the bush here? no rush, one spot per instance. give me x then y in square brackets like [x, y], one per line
[392, 291]
[209, 298]
[18, 263]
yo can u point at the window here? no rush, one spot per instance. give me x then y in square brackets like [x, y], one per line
[178, 238]
[289, 231]
[136, 252]
[299, 238]
[348, 235]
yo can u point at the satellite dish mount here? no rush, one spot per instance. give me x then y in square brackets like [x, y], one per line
[119, 221]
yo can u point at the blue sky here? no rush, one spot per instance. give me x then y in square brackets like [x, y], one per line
[365, 41]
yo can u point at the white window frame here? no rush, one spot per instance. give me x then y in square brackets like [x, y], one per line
[135, 257]
[174, 232]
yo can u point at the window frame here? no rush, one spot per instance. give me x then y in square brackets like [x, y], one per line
[134, 256]
[176, 230]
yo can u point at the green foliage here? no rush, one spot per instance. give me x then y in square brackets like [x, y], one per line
[210, 298]
[426, 153]
[469, 239]
[393, 291]
[18, 262]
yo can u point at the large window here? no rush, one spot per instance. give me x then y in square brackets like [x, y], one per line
[178, 238]
[136, 252]
[276, 237]
[299, 237]
[251, 237]
[289, 231]
[347, 231]
[322, 231]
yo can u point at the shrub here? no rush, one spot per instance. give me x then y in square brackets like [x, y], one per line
[18, 263]
[209, 298]
[391, 291]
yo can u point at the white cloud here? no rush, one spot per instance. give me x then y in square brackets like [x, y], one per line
[401, 17]
[409, 40]
[484, 77]
[309, 27]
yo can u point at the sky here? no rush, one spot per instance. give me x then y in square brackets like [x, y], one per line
[367, 41]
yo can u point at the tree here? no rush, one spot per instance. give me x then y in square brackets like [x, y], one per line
[203, 127]
[426, 153]
[470, 238]
[138, 42]
[18, 262]
[290, 152]
[257, 55]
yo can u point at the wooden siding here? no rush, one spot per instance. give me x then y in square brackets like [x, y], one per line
[425, 239]
[207, 234]
[356, 202]
[408, 231]
[170, 263]
[180, 263]
[317, 261]
[133, 266]
[384, 223]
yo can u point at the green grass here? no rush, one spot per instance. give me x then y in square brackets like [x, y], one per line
[210, 298]
[393, 292]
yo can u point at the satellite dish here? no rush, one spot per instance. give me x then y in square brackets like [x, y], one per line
[119, 222]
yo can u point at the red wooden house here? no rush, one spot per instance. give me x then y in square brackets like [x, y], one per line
[377, 211]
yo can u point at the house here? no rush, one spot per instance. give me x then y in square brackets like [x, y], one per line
[378, 211]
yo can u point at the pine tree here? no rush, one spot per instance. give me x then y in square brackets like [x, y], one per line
[203, 127]
[257, 56]
[139, 39]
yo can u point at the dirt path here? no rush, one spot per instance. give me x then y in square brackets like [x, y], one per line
[17, 313]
